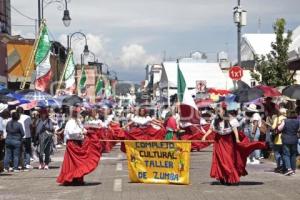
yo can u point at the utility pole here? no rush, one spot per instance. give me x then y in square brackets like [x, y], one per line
[39, 13]
[240, 18]
[239, 32]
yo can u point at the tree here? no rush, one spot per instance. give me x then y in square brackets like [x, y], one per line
[272, 69]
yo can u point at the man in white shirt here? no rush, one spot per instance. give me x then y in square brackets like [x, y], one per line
[26, 122]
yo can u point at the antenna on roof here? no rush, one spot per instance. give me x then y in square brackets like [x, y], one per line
[164, 55]
[259, 25]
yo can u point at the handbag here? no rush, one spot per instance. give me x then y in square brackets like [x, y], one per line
[49, 133]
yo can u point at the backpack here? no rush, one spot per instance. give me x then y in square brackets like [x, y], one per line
[263, 128]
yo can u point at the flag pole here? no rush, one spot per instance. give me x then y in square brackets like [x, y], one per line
[82, 68]
[32, 55]
[178, 101]
[63, 74]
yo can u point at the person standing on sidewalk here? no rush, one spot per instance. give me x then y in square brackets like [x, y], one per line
[26, 122]
[253, 131]
[13, 142]
[277, 142]
[44, 134]
[3, 111]
[290, 128]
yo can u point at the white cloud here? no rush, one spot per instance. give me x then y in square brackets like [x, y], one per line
[134, 56]
[96, 45]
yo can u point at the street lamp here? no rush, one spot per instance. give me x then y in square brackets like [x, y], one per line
[44, 3]
[240, 18]
[115, 74]
[104, 64]
[94, 55]
[86, 48]
[66, 18]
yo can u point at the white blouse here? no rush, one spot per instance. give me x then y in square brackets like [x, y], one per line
[142, 121]
[225, 131]
[74, 130]
[97, 123]
[108, 120]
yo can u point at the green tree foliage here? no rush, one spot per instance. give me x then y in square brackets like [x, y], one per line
[273, 68]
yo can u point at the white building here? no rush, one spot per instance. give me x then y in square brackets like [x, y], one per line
[193, 71]
[294, 54]
[255, 45]
[260, 45]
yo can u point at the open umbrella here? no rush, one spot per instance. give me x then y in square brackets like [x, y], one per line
[246, 95]
[5, 99]
[5, 91]
[292, 91]
[49, 103]
[269, 91]
[204, 103]
[34, 95]
[72, 100]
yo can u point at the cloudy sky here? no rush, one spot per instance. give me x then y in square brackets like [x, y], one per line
[128, 34]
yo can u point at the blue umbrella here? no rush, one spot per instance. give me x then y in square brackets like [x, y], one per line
[18, 97]
[32, 95]
[49, 103]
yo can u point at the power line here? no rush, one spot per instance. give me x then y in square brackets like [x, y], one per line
[25, 25]
[21, 13]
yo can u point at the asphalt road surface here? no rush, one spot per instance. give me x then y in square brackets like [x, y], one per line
[110, 181]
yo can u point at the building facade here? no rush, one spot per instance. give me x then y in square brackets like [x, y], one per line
[5, 17]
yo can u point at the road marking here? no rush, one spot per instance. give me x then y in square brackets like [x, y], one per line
[57, 159]
[119, 167]
[109, 158]
[118, 185]
[119, 157]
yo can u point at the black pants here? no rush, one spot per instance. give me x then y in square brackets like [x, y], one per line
[2, 149]
[27, 151]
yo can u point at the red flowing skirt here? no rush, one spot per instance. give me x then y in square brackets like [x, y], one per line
[194, 133]
[229, 158]
[114, 132]
[145, 133]
[81, 157]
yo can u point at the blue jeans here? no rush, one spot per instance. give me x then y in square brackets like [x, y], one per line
[278, 155]
[298, 146]
[289, 155]
[12, 152]
[27, 151]
[257, 153]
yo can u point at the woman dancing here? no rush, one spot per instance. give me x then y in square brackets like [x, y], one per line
[231, 148]
[82, 153]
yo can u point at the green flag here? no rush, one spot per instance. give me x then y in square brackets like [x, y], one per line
[183, 93]
[42, 60]
[69, 76]
[107, 89]
[99, 87]
[82, 81]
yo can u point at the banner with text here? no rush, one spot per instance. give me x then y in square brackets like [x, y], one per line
[158, 162]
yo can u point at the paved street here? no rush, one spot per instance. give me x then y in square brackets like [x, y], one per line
[110, 181]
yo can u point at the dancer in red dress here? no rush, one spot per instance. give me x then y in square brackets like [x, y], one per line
[143, 127]
[231, 148]
[82, 153]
